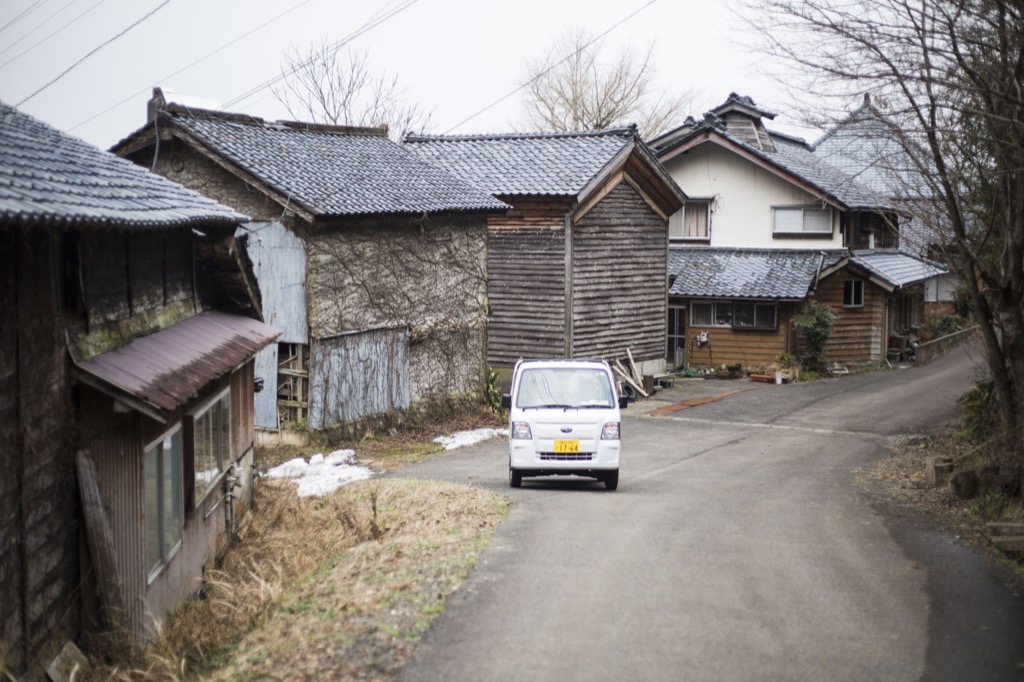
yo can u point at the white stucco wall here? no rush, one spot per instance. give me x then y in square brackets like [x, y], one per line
[744, 195]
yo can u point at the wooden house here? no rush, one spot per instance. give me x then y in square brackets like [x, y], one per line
[371, 261]
[577, 267]
[127, 337]
[769, 225]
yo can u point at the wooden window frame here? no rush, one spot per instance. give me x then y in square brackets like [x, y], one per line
[222, 450]
[718, 315]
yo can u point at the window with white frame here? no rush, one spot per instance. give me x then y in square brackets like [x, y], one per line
[211, 442]
[853, 293]
[692, 221]
[802, 220]
[163, 499]
[734, 314]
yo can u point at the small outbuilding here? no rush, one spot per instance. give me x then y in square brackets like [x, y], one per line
[127, 335]
[577, 267]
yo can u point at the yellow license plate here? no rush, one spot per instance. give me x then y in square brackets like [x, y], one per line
[567, 447]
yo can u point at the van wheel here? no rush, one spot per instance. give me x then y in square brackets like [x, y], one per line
[515, 478]
[611, 480]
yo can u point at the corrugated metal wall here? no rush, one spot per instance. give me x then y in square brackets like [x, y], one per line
[357, 375]
[279, 262]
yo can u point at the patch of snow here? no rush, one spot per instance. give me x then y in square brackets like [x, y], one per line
[321, 475]
[461, 438]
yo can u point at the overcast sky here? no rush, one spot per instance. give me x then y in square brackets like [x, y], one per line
[454, 58]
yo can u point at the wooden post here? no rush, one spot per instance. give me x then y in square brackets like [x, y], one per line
[101, 546]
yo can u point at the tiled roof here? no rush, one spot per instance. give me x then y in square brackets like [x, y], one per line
[864, 148]
[709, 272]
[332, 171]
[551, 164]
[50, 177]
[899, 269]
[791, 155]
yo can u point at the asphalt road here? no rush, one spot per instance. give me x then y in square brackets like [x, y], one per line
[737, 547]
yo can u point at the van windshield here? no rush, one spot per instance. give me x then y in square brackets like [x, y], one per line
[565, 387]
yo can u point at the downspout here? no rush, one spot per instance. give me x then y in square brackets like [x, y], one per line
[568, 286]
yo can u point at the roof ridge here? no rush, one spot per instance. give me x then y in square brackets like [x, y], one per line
[179, 110]
[630, 130]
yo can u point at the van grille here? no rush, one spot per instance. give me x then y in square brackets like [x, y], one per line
[567, 457]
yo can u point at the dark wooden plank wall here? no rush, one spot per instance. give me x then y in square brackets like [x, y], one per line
[130, 275]
[12, 627]
[859, 333]
[46, 485]
[620, 268]
[751, 348]
[526, 281]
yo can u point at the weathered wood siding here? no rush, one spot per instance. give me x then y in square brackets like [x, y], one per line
[359, 374]
[859, 334]
[619, 270]
[425, 274]
[12, 574]
[750, 348]
[39, 566]
[279, 264]
[526, 281]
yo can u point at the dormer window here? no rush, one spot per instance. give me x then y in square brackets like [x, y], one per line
[692, 222]
[802, 221]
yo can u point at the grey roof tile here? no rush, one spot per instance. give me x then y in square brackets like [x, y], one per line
[793, 156]
[899, 269]
[712, 272]
[334, 171]
[47, 176]
[548, 164]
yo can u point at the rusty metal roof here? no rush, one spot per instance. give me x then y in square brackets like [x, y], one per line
[159, 373]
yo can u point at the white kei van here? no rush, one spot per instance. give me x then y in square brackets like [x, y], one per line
[564, 420]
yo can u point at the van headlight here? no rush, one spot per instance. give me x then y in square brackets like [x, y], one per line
[610, 431]
[521, 431]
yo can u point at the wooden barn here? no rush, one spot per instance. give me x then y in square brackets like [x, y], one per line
[127, 337]
[371, 261]
[577, 267]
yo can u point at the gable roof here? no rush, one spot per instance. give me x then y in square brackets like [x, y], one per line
[50, 177]
[786, 156]
[863, 147]
[322, 171]
[547, 164]
[712, 272]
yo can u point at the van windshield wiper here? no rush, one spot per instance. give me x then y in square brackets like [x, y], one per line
[553, 406]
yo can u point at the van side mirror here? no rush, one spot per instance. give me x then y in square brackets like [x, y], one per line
[623, 402]
[506, 401]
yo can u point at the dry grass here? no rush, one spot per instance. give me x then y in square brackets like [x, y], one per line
[345, 584]
[899, 483]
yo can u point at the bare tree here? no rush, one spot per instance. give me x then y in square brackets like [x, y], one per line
[950, 74]
[574, 88]
[325, 85]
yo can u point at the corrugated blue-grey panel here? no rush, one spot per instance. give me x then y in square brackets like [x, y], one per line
[358, 375]
[265, 402]
[279, 261]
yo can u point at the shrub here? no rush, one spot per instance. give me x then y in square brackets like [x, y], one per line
[815, 324]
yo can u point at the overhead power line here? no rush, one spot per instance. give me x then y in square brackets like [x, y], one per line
[37, 44]
[31, 8]
[373, 22]
[92, 52]
[551, 68]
